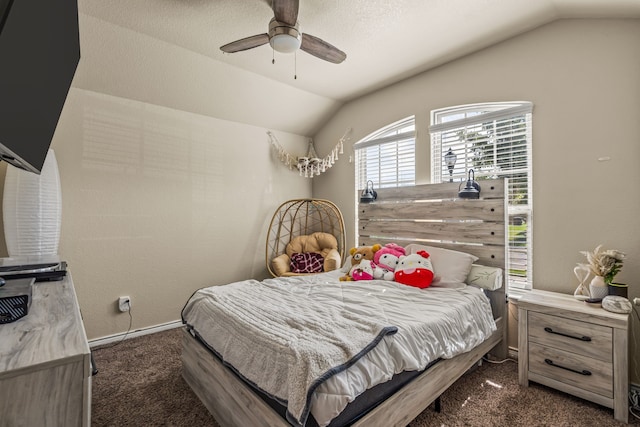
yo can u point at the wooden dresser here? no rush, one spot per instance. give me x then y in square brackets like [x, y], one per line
[45, 362]
[574, 347]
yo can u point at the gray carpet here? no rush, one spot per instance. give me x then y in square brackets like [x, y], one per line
[139, 384]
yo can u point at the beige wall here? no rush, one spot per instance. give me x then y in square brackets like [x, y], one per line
[583, 77]
[159, 202]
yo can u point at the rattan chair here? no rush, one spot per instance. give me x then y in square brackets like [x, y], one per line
[301, 217]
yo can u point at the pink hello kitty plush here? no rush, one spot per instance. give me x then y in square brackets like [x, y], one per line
[363, 271]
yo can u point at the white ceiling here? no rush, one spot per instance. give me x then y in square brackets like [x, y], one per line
[385, 41]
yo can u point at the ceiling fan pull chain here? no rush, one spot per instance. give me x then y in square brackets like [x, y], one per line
[273, 57]
[295, 65]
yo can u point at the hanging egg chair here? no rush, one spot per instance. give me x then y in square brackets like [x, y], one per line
[301, 228]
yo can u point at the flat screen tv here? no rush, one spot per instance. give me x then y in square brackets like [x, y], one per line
[39, 53]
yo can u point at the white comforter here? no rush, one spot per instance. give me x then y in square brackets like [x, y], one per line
[432, 323]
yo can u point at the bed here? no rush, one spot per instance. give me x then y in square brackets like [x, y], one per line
[423, 215]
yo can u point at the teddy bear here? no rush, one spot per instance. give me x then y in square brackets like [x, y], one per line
[415, 270]
[358, 255]
[386, 260]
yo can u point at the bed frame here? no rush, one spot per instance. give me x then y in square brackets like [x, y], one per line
[427, 214]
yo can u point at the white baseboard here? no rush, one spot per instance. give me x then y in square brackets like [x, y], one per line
[137, 333]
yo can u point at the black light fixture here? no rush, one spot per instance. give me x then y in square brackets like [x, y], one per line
[471, 189]
[368, 194]
[450, 159]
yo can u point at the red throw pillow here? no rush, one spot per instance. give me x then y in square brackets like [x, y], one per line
[309, 262]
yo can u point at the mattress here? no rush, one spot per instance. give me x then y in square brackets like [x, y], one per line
[357, 408]
[431, 323]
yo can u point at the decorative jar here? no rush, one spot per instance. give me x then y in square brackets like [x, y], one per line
[619, 289]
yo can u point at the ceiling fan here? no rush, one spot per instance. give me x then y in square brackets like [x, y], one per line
[284, 36]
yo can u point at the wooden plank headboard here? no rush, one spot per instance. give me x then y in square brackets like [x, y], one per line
[432, 214]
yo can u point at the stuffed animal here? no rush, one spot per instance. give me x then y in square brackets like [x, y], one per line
[363, 271]
[357, 255]
[415, 270]
[386, 261]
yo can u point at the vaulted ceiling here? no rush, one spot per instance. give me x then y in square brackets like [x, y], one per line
[385, 41]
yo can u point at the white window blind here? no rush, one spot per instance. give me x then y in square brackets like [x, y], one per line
[387, 156]
[495, 141]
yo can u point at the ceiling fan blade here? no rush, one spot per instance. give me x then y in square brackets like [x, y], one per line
[321, 49]
[286, 11]
[246, 43]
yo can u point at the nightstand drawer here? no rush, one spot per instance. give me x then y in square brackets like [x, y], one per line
[570, 368]
[587, 339]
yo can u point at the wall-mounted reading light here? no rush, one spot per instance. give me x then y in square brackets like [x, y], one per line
[471, 189]
[368, 194]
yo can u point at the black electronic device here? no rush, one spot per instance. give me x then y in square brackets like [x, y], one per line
[39, 53]
[41, 268]
[15, 299]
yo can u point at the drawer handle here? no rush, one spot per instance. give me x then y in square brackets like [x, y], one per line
[583, 372]
[582, 338]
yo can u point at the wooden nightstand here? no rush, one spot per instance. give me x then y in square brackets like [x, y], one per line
[574, 347]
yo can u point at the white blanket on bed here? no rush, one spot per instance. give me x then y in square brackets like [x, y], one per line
[285, 342]
[432, 323]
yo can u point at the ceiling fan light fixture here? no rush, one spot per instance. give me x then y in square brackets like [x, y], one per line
[284, 38]
[284, 43]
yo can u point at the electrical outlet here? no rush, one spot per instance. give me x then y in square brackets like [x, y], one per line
[124, 304]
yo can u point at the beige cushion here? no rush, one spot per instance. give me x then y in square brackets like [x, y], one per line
[323, 243]
[332, 260]
[281, 265]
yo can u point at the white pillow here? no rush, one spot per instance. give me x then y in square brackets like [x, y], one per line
[450, 268]
[346, 267]
[484, 277]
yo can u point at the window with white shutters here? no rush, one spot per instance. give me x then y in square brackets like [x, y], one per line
[387, 156]
[493, 139]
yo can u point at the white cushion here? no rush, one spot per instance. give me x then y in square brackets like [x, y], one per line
[450, 268]
[484, 277]
[346, 267]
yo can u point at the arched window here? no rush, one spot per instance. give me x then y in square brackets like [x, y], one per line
[387, 156]
[493, 139]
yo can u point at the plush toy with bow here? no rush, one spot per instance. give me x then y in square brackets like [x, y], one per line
[364, 270]
[386, 260]
[415, 270]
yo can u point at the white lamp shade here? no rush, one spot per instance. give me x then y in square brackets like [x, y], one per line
[32, 210]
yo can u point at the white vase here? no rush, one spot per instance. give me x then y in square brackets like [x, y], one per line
[598, 288]
[32, 210]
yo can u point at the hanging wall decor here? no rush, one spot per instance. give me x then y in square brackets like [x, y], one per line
[310, 165]
[32, 210]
